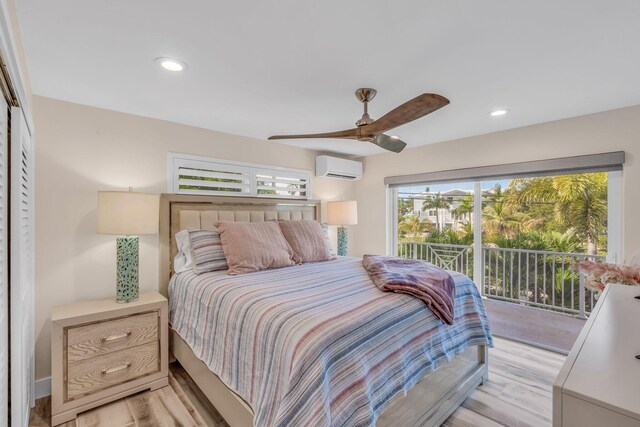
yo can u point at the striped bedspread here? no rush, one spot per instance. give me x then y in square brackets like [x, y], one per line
[318, 344]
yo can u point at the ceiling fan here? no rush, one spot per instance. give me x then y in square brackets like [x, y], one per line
[369, 130]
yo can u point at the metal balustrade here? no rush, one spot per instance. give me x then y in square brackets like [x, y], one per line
[542, 279]
[450, 257]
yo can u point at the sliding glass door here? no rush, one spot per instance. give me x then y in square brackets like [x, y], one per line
[518, 239]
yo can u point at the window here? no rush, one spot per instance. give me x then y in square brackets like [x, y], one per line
[523, 242]
[202, 175]
[518, 229]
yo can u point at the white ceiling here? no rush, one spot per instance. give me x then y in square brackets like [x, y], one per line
[259, 68]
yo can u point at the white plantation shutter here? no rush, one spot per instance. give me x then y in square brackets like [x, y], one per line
[281, 183]
[202, 175]
[4, 278]
[22, 269]
[198, 177]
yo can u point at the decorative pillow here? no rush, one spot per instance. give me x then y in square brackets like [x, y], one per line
[183, 261]
[306, 239]
[206, 251]
[325, 231]
[254, 246]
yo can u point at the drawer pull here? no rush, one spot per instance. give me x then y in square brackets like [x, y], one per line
[105, 340]
[116, 369]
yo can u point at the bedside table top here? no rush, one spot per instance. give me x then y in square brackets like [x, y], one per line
[103, 307]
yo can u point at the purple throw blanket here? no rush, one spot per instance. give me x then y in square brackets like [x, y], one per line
[414, 277]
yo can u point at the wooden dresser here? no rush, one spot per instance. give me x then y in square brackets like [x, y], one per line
[599, 384]
[102, 351]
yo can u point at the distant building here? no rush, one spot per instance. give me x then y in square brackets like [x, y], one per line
[446, 217]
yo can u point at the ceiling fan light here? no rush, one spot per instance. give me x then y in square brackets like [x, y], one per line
[366, 138]
[171, 64]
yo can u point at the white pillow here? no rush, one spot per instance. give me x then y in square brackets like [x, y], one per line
[325, 230]
[183, 260]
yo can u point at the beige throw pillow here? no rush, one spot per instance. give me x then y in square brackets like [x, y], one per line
[306, 239]
[254, 246]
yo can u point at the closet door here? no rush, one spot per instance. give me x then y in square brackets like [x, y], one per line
[4, 279]
[22, 269]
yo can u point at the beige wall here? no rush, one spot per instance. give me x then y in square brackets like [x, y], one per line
[81, 150]
[596, 133]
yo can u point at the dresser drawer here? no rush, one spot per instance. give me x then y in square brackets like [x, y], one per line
[91, 340]
[578, 413]
[99, 372]
[599, 384]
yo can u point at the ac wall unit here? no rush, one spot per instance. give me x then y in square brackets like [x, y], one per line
[335, 167]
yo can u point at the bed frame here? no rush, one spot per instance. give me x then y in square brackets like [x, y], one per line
[429, 403]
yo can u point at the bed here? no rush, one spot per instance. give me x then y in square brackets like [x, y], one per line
[315, 344]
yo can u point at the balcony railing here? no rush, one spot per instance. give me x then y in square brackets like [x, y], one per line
[450, 257]
[542, 279]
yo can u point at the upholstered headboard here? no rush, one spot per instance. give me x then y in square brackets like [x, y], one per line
[206, 220]
[179, 212]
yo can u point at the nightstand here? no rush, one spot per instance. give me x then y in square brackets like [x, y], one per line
[102, 351]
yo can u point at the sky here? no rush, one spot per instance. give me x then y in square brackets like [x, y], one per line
[486, 185]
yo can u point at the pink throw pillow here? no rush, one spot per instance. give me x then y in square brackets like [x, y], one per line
[254, 246]
[307, 240]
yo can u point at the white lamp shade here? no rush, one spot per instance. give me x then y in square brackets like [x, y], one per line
[127, 213]
[342, 213]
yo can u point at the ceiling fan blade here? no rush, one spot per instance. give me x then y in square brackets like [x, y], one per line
[346, 134]
[391, 143]
[418, 107]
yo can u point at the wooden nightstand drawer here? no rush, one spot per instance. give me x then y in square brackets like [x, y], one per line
[112, 335]
[102, 351]
[110, 369]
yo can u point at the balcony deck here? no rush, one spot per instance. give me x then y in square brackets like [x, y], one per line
[541, 328]
[532, 296]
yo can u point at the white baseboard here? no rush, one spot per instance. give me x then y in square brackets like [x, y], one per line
[43, 387]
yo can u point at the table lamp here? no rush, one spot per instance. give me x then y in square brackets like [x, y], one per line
[341, 214]
[127, 215]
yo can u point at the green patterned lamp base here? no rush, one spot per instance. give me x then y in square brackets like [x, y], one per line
[127, 281]
[343, 241]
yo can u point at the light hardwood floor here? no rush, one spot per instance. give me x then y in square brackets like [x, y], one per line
[518, 393]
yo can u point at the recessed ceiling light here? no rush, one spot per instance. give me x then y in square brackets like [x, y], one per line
[499, 112]
[171, 64]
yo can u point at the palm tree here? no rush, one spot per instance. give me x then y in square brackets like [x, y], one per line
[562, 242]
[579, 201]
[502, 219]
[436, 202]
[413, 225]
[495, 196]
[405, 205]
[465, 233]
[464, 209]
